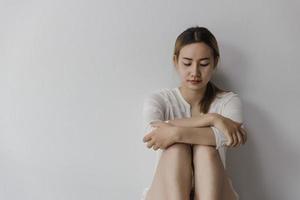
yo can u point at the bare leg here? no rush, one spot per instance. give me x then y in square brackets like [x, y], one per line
[209, 173]
[173, 175]
[228, 191]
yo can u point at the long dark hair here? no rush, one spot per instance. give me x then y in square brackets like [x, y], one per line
[201, 34]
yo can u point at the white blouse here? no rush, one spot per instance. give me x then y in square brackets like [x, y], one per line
[168, 104]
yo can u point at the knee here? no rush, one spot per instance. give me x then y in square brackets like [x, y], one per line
[178, 149]
[176, 155]
[205, 151]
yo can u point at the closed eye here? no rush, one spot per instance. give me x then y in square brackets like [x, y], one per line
[204, 64]
[188, 64]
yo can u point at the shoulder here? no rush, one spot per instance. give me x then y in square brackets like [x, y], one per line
[231, 106]
[229, 97]
[158, 96]
[223, 96]
[161, 93]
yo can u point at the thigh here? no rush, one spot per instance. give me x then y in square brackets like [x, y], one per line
[176, 154]
[178, 148]
[174, 164]
[204, 151]
[208, 172]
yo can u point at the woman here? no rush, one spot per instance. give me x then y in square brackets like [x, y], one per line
[192, 125]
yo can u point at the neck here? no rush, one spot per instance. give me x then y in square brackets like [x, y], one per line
[193, 97]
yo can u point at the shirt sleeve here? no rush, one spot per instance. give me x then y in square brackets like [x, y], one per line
[154, 108]
[231, 109]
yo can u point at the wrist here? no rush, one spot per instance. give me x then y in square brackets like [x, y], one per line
[214, 118]
[178, 133]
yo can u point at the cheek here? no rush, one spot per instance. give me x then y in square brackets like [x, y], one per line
[205, 74]
[207, 71]
[208, 75]
[183, 73]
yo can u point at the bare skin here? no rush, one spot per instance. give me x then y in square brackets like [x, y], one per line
[173, 182]
[176, 182]
[182, 163]
[208, 168]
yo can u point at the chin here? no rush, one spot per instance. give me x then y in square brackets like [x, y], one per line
[194, 87]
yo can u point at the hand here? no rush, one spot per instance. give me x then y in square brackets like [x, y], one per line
[162, 137]
[235, 134]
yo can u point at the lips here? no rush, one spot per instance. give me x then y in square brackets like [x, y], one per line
[194, 80]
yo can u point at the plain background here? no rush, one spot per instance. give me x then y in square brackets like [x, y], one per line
[74, 75]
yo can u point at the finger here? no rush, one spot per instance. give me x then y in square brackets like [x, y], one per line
[147, 138]
[238, 123]
[244, 135]
[154, 124]
[229, 141]
[158, 125]
[150, 144]
[163, 123]
[240, 139]
[234, 137]
[155, 147]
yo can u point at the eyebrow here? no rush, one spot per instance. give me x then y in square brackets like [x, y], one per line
[206, 58]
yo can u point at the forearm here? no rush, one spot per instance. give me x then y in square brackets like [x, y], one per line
[198, 121]
[196, 135]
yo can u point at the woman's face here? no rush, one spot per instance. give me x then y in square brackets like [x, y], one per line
[195, 62]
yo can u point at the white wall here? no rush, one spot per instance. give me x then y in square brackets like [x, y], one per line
[74, 74]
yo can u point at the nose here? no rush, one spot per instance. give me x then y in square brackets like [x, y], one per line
[195, 70]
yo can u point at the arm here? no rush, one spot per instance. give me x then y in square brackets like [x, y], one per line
[188, 130]
[198, 121]
[196, 135]
[168, 133]
[153, 110]
[232, 109]
[196, 130]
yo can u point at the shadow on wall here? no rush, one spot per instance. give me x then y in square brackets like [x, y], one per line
[254, 167]
[244, 165]
[261, 169]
